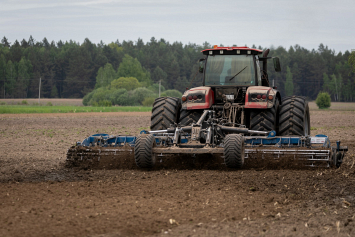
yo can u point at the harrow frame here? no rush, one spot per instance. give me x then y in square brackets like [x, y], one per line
[316, 151]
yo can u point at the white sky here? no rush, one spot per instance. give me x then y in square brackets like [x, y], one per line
[260, 22]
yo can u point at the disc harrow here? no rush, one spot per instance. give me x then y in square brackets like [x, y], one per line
[206, 137]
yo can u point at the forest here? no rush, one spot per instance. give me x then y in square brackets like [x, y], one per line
[130, 69]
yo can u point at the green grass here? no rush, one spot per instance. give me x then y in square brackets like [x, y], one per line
[30, 109]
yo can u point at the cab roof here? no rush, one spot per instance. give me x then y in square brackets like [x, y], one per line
[231, 50]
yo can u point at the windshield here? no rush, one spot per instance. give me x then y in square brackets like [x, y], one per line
[230, 70]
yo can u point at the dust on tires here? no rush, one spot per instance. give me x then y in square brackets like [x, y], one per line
[143, 155]
[294, 116]
[165, 112]
[234, 151]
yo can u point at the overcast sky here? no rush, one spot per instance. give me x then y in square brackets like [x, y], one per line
[260, 22]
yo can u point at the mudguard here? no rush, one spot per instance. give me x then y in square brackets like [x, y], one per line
[198, 98]
[254, 100]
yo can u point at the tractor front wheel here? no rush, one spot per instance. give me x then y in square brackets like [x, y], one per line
[234, 151]
[143, 155]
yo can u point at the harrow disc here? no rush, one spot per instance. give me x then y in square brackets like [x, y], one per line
[103, 157]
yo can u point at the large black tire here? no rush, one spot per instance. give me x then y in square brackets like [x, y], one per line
[188, 117]
[265, 119]
[294, 117]
[165, 112]
[143, 151]
[234, 151]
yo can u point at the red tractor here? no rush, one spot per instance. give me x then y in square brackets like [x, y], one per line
[237, 88]
[235, 113]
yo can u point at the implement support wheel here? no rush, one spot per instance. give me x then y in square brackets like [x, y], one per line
[337, 158]
[143, 151]
[234, 151]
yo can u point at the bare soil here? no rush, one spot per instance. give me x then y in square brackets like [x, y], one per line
[180, 197]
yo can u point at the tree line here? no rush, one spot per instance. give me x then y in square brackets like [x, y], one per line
[72, 70]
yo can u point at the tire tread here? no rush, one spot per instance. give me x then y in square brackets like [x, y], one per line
[143, 151]
[187, 117]
[165, 112]
[263, 120]
[234, 151]
[294, 110]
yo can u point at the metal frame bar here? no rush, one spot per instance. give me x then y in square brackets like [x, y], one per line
[309, 149]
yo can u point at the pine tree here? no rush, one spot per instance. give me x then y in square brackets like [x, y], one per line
[336, 86]
[54, 92]
[24, 43]
[78, 81]
[326, 83]
[5, 42]
[10, 80]
[31, 41]
[2, 75]
[351, 61]
[22, 79]
[289, 83]
[339, 87]
[16, 51]
[45, 42]
[181, 84]
[173, 73]
[297, 80]
[158, 74]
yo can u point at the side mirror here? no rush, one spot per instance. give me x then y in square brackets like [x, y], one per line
[277, 65]
[201, 66]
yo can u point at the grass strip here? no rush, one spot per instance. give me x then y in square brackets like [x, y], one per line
[31, 109]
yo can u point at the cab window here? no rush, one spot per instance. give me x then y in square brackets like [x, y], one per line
[230, 70]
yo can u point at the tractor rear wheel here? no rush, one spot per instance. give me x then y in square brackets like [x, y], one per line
[234, 151]
[265, 119]
[294, 116]
[188, 117]
[165, 112]
[143, 155]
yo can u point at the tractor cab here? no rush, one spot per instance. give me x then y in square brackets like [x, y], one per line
[237, 66]
[231, 66]
[230, 73]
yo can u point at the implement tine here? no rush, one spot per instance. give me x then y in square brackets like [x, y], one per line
[306, 155]
[90, 154]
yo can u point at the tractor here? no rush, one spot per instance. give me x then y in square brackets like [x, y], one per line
[236, 86]
[236, 113]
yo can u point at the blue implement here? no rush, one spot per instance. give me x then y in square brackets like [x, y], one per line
[312, 150]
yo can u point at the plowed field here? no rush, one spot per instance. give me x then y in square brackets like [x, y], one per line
[180, 197]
